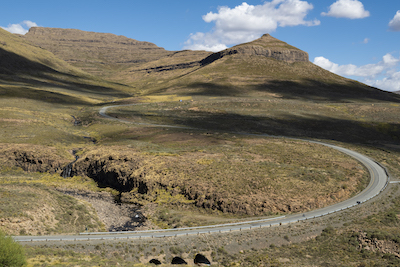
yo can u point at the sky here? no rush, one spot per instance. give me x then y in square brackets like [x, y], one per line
[357, 39]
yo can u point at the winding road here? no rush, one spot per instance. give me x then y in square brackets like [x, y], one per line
[379, 181]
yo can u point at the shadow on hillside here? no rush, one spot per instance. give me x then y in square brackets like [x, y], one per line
[313, 126]
[212, 89]
[17, 69]
[318, 91]
[40, 95]
[309, 90]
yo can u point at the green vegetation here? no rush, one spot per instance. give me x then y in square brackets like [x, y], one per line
[11, 253]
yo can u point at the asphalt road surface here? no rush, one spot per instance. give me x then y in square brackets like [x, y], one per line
[379, 181]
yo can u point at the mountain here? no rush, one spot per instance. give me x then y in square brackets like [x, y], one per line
[266, 66]
[108, 55]
[96, 53]
[81, 46]
[39, 74]
[18, 56]
[266, 46]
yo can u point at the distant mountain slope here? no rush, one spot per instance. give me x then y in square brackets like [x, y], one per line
[17, 56]
[270, 66]
[266, 46]
[263, 66]
[32, 72]
[96, 53]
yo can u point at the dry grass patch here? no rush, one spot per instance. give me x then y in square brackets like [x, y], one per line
[242, 176]
[34, 209]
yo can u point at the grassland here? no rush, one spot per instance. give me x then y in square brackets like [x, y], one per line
[221, 167]
[31, 205]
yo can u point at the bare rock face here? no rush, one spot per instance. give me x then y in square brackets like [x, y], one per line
[266, 46]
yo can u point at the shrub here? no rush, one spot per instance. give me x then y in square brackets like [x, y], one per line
[328, 231]
[390, 218]
[176, 250]
[11, 253]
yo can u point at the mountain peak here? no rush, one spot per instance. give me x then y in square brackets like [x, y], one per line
[266, 46]
[269, 42]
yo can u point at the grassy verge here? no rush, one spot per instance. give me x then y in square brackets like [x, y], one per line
[31, 206]
[363, 239]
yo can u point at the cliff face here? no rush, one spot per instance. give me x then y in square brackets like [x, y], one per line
[266, 46]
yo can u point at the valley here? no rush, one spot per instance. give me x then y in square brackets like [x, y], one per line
[202, 171]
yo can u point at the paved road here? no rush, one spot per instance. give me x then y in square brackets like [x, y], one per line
[379, 181]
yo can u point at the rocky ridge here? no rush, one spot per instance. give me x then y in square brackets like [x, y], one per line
[266, 46]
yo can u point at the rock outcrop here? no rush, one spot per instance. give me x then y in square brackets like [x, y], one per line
[374, 244]
[266, 46]
[32, 158]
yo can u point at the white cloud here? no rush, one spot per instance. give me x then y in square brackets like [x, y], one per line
[390, 83]
[352, 9]
[366, 41]
[384, 74]
[204, 41]
[20, 28]
[245, 23]
[394, 24]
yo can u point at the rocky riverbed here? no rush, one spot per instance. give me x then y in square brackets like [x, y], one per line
[115, 216]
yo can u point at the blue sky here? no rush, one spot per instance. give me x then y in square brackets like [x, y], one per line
[358, 39]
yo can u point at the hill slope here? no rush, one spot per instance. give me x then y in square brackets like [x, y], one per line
[96, 53]
[268, 66]
[262, 67]
[116, 57]
[39, 74]
[17, 56]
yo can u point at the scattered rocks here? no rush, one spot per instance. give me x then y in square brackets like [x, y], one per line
[383, 246]
[116, 217]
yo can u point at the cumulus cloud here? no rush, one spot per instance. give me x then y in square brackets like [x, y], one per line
[245, 23]
[384, 74]
[352, 9]
[390, 83]
[20, 28]
[394, 24]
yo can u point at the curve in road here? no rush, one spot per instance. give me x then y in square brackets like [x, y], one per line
[379, 181]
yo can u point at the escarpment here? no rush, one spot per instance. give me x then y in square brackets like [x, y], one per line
[122, 172]
[32, 158]
[266, 46]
